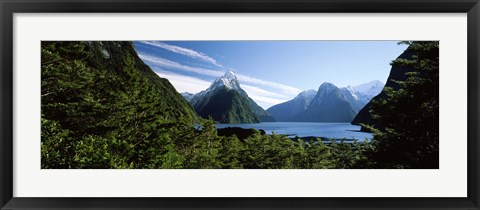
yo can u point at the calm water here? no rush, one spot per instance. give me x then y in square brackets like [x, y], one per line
[303, 129]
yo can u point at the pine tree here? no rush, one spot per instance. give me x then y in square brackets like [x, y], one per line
[407, 120]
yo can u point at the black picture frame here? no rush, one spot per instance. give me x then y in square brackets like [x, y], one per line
[9, 7]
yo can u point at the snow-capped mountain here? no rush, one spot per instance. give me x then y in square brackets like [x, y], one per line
[366, 91]
[225, 101]
[362, 94]
[370, 89]
[228, 80]
[328, 104]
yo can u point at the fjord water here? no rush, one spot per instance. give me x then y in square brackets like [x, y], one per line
[304, 129]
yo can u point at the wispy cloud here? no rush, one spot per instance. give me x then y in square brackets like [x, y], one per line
[260, 91]
[265, 102]
[284, 88]
[184, 83]
[183, 51]
[264, 98]
[162, 62]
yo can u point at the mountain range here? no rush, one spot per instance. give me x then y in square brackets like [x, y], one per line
[328, 104]
[226, 102]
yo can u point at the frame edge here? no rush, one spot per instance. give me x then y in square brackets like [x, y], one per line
[6, 107]
[7, 200]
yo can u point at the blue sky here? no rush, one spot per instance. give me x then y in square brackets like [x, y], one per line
[271, 72]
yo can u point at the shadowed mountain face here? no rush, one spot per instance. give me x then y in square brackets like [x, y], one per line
[227, 106]
[226, 102]
[293, 110]
[397, 73]
[328, 104]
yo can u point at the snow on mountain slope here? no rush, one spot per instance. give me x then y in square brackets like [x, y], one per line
[369, 90]
[228, 80]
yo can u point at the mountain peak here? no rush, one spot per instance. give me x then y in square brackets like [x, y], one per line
[229, 75]
[228, 80]
[307, 94]
[326, 86]
[369, 89]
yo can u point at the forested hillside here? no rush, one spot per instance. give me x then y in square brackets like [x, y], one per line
[405, 116]
[98, 97]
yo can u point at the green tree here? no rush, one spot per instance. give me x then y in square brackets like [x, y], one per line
[56, 145]
[407, 119]
[205, 148]
[230, 152]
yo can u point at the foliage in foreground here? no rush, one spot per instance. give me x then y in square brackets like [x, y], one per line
[406, 128]
[183, 146]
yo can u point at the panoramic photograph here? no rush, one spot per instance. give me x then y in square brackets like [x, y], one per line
[155, 104]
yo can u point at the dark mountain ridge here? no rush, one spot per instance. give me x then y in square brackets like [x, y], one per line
[397, 73]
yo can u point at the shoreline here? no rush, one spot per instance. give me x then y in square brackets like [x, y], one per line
[243, 133]
[324, 139]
